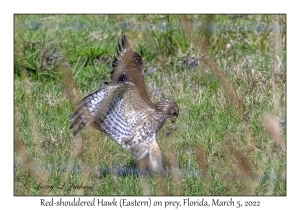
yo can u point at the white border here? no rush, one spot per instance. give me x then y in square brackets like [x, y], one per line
[254, 6]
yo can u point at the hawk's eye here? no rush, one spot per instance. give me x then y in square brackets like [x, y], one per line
[175, 114]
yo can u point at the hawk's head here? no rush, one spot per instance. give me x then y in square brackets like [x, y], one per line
[169, 107]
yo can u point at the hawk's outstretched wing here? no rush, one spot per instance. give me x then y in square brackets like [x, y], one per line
[128, 66]
[124, 111]
[119, 111]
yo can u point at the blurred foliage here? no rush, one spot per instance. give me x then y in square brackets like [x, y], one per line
[246, 48]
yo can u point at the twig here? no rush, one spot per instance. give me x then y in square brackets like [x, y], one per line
[81, 66]
[76, 64]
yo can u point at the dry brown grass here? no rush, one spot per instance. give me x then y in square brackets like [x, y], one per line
[236, 162]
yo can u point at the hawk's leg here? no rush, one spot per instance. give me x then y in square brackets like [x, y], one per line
[142, 165]
[155, 159]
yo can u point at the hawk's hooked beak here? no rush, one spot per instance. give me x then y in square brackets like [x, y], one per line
[173, 118]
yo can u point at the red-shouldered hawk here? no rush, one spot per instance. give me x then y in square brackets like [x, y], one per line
[124, 111]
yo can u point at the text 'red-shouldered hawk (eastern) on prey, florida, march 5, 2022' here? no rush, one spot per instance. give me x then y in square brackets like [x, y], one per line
[124, 111]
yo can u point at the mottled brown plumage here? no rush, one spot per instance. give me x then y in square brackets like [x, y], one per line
[123, 109]
[128, 66]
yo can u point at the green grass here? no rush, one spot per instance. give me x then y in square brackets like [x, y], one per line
[211, 137]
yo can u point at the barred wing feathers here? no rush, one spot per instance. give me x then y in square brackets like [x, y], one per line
[118, 110]
[129, 66]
